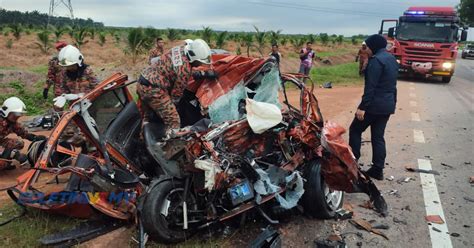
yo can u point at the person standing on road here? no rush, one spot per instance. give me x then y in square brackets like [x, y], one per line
[307, 56]
[12, 109]
[53, 73]
[161, 86]
[378, 103]
[157, 51]
[363, 58]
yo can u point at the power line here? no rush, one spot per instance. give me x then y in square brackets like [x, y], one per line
[319, 9]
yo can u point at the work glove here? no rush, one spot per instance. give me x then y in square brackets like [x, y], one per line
[45, 93]
[61, 100]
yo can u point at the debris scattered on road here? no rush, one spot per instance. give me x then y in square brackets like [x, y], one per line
[467, 226]
[407, 208]
[394, 192]
[447, 165]
[269, 237]
[434, 219]
[362, 224]
[381, 226]
[329, 244]
[390, 178]
[469, 199]
[327, 85]
[343, 214]
[405, 180]
[411, 169]
[436, 229]
[467, 162]
[367, 205]
[471, 179]
[455, 235]
[399, 221]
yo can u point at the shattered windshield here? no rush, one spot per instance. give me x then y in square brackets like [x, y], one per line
[426, 31]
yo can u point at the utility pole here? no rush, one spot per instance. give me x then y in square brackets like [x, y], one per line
[55, 4]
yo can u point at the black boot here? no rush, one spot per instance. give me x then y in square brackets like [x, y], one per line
[375, 173]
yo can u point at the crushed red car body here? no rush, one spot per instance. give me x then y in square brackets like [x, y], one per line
[209, 172]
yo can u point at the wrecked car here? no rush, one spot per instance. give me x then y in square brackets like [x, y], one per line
[251, 147]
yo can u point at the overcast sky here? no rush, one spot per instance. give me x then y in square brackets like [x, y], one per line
[346, 17]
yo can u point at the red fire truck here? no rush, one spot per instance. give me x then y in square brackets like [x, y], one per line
[425, 41]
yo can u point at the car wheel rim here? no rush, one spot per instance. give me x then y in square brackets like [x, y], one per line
[333, 198]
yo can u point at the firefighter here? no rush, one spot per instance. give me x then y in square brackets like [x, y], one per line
[12, 109]
[157, 51]
[77, 77]
[363, 57]
[162, 85]
[53, 73]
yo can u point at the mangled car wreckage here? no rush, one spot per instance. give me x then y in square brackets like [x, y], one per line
[249, 147]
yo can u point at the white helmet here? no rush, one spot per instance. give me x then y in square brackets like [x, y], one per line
[364, 44]
[70, 55]
[12, 105]
[198, 50]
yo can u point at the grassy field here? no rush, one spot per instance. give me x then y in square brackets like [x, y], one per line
[25, 231]
[344, 74]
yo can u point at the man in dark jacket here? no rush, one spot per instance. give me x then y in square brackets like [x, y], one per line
[378, 103]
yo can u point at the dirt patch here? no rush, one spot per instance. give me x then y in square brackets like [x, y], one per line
[26, 77]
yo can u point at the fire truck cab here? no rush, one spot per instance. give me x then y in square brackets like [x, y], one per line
[425, 41]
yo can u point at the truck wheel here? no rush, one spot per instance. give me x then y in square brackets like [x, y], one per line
[318, 199]
[446, 79]
[163, 210]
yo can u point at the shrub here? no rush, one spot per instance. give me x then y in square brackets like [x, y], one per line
[44, 43]
[9, 43]
[102, 38]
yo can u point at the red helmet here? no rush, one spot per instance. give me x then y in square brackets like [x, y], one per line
[59, 45]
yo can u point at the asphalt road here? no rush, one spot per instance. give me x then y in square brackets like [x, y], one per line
[432, 129]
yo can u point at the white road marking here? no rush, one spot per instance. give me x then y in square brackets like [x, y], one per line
[415, 117]
[413, 103]
[412, 95]
[411, 83]
[418, 136]
[430, 195]
[412, 88]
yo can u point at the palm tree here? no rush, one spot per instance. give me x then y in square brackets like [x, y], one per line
[207, 34]
[340, 39]
[102, 38]
[92, 32]
[80, 36]
[58, 32]
[135, 42]
[284, 41]
[324, 38]
[172, 34]
[275, 36]
[16, 29]
[297, 43]
[221, 39]
[260, 38]
[44, 43]
[312, 38]
[247, 41]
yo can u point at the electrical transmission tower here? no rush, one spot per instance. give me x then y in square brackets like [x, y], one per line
[55, 4]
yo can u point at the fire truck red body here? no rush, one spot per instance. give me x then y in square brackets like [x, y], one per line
[425, 41]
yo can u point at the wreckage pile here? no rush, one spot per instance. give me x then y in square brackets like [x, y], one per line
[252, 150]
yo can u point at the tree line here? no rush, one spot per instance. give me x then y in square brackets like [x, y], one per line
[36, 19]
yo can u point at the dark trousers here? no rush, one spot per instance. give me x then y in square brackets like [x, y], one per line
[377, 125]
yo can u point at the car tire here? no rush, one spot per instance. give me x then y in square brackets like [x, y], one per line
[154, 221]
[318, 200]
[446, 80]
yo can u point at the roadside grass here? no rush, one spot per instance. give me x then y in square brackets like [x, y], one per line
[40, 69]
[35, 104]
[26, 230]
[343, 74]
[341, 51]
